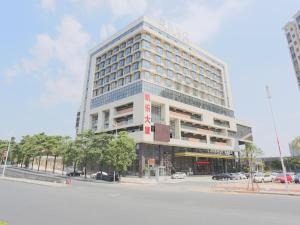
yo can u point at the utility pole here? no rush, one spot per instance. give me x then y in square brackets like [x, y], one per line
[7, 154]
[277, 138]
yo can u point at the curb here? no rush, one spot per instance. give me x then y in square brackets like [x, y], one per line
[29, 181]
[261, 193]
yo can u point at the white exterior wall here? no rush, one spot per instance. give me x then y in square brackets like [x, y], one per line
[292, 31]
[139, 101]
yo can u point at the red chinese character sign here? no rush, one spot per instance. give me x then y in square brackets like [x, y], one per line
[147, 113]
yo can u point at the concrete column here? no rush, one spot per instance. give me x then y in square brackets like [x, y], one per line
[141, 160]
[166, 114]
[177, 129]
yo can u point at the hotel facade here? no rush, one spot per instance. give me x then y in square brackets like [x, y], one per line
[292, 32]
[172, 97]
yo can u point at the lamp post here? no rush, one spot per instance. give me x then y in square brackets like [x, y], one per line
[6, 157]
[277, 138]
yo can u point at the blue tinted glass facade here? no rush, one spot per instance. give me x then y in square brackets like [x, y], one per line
[142, 86]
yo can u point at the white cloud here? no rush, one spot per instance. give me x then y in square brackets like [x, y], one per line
[48, 4]
[200, 20]
[118, 8]
[58, 61]
[133, 8]
[107, 30]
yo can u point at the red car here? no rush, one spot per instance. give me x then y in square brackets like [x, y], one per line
[280, 178]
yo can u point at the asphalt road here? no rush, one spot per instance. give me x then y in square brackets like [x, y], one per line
[92, 203]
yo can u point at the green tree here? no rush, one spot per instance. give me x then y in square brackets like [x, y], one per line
[85, 147]
[120, 153]
[3, 149]
[295, 145]
[249, 156]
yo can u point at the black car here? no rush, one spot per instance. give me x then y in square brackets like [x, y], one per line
[223, 176]
[109, 177]
[75, 173]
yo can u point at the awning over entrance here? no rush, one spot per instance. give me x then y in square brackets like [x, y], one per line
[203, 155]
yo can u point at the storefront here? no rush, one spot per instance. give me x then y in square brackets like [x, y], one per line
[170, 159]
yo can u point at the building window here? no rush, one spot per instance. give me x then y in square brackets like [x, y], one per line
[127, 80]
[147, 55]
[168, 83]
[156, 113]
[130, 41]
[170, 73]
[127, 70]
[147, 37]
[136, 75]
[158, 59]
[159, 70]
[128, 51]
[120, 82]
[136, 46]
[107, 62]
[114, 58]
[137, 55]
[157, 79]
[146, 75]
[146, 64]
[146, 44]
[114, 67]
[121, 62]
[120, 73]
[121, 54]
[135, 66]
[159, 50]
[137, 37]
[123, 45]
[112, 77]
[129, 59]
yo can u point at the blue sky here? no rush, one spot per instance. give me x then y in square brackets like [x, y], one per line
[44, 43]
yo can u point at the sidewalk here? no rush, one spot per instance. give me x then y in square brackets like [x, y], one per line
[30, 181]
[261, 188]
[150, 180]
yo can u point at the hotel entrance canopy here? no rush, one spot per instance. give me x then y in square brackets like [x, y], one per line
[203, 155]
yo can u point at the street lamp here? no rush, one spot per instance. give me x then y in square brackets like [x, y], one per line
[277, 138]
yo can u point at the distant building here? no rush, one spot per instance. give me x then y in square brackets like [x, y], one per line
[173, 98]
[292, 31]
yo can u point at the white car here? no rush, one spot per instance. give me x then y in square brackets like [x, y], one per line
[261, 178]
[242, 176]
[93, 176]
[178, 175]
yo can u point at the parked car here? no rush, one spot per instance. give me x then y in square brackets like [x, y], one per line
[297, 178]
[107, 177]
[273, 175]
[280, 178]
[292, 174]
[242, 175]
[223, 176]
[235, 176]
[261, 178]
[75, 173]
[93, 176]
[178, 175]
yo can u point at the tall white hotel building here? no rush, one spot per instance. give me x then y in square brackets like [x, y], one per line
[292, 31]
[171, 96]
